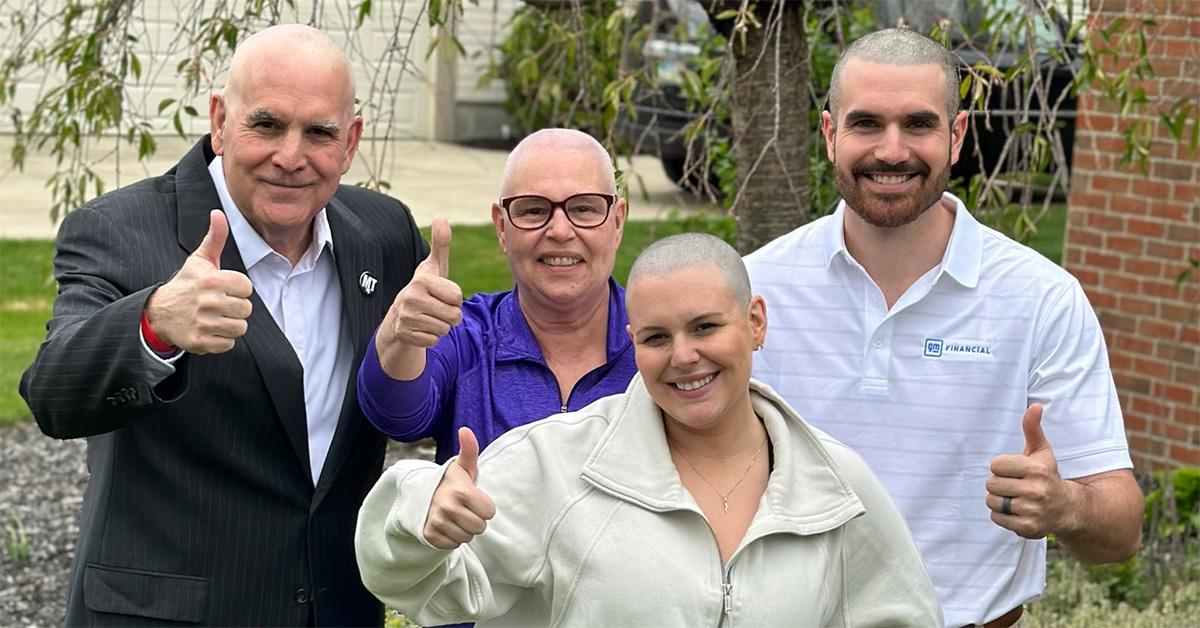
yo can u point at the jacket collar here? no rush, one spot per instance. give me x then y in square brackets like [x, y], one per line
[515, 340]
[964, 253]
[805, 494]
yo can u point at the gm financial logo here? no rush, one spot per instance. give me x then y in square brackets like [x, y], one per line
[936, 348]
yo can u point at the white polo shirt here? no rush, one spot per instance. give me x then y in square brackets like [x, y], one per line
[930, 391]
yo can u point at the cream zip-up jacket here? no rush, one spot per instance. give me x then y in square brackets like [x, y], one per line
[593, 527]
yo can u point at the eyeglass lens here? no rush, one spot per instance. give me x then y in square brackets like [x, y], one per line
[583, 210]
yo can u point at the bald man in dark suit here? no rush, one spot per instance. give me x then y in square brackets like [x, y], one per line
[203, 340]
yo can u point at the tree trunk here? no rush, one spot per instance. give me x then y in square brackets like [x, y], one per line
[770, 125]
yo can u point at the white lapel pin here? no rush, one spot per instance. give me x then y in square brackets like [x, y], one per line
[367, 283]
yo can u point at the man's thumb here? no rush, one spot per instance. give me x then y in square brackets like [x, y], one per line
[468, 452]
[439, 245]
[214, 240]
[1031, 424]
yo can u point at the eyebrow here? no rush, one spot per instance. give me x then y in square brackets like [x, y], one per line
[263, 115]
[930, 118]
[691, 321]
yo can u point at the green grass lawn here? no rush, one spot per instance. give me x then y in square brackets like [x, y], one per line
[476, 263]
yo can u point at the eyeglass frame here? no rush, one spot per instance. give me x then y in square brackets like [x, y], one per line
[610, 199]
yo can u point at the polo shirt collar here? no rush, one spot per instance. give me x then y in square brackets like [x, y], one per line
[250, 244]
[516, 341]
[964, 252]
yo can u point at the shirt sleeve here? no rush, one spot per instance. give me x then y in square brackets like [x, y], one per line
[476, 581]
[408, 411]
[1070, 375]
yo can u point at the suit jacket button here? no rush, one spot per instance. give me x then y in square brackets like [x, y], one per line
[302, 596]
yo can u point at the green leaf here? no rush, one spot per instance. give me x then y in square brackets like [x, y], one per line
[164, 103]
[191, 111]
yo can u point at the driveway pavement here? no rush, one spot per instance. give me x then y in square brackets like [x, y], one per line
[433, 178]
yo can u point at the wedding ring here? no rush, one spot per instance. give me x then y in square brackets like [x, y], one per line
[1006, 505]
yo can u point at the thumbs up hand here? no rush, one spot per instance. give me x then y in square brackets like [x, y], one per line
[202, 309]
[459, 510]
[423, 311]
[1038, 499]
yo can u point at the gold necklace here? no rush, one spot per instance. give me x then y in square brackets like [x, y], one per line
[724, 496]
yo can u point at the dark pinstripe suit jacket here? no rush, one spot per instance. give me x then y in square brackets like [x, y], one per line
[200, 506]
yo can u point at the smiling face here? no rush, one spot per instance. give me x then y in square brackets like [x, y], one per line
[892, 145]
[559, 264]
[693, 342]
[286, 131]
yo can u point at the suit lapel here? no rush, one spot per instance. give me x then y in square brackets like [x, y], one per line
[355, 253]
[273, 353]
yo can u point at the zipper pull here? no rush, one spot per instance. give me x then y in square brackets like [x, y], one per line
[563, 408]
[728, 597]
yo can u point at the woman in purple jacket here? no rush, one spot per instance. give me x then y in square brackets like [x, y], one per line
[555, 343]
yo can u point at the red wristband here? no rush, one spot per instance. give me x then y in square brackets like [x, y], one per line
[152, 339]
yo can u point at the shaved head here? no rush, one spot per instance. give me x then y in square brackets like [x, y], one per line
[288, 45]
[898, 46]
[558, 140]
[689, 250]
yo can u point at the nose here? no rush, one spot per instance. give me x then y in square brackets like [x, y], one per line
[683, 353]
[559, 228]
[289, 152]
[891, 148]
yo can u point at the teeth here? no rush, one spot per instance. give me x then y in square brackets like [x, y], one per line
[890, 179]
[561, 261]
[694, 385]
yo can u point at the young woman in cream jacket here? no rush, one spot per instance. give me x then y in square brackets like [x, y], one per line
[695, 498]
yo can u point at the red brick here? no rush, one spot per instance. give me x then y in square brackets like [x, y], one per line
[1128, 204]
[1074, 257]
[1152, 368]
[1082, 236]
[1085, 275]
[1181, 49]
[1110, 183]
[1081, 199]
[1123, 244]
[1187, 376]
[1120, 283]
[1183, 233]
[1173, 170]
[1109, 144]
[1187, 416]
[1134, 305]
[1185, 455]
[1100, 299]
[1142, 267]
[1169, 211]
[1177, 353]
[1108, 222]
[1117, 322]
[1185, 314]
[1150, 327]
[1191, 335]
[1158, 429]
[1105, 261]
[1184, 192]
[1172, 27]
[1177, 433]
[1151, 188]
[1121, 361]
[1095, 121]
[1161, 289]
[1135, 423]
[1161, 250]
[1134, 344]
[1131, 383]
[1179, 393]
[1146, 405]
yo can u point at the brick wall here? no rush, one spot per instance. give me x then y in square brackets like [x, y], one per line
[1131, 234]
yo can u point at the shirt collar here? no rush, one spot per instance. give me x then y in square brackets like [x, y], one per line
[964, 253]
[516, 339]
[250, 244]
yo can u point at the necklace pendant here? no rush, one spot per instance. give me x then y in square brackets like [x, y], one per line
[725, 503]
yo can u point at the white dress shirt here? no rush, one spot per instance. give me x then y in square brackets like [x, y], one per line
[305, 301]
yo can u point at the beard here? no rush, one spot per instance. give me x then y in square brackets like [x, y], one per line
[890, 210]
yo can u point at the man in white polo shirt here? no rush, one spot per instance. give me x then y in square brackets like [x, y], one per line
[967, 369]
